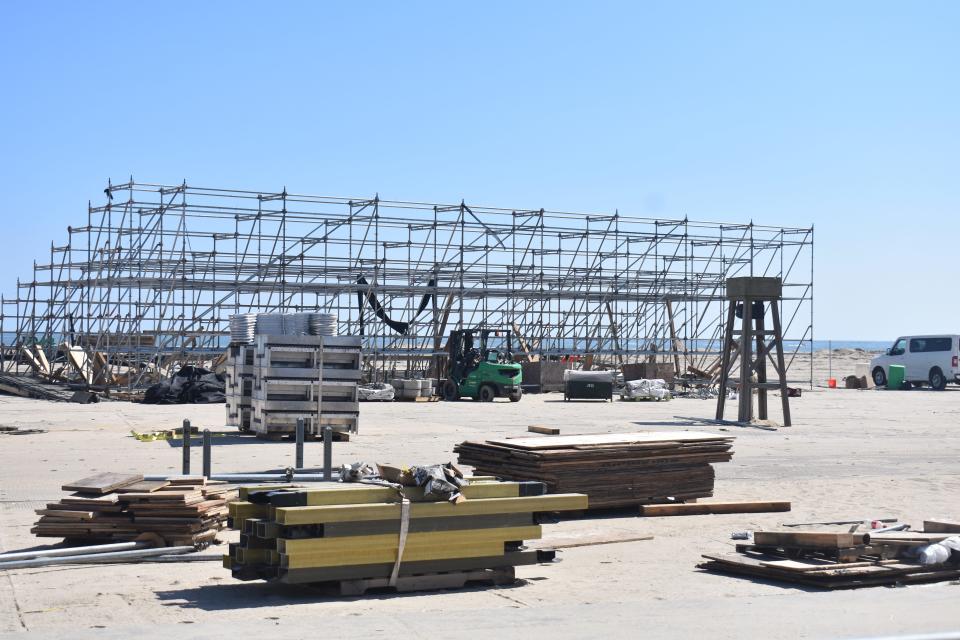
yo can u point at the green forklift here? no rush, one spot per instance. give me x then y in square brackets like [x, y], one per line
[477, 369]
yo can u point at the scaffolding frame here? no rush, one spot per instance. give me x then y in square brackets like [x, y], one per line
[150, 280]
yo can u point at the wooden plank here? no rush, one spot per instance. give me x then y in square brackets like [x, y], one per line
[703, 508]
[815, 564]
[42, 359]
[144, 486]
[941, 526]
[812, 539]
[545, 430]
[607, 439]
[102, 483]
[918, 537]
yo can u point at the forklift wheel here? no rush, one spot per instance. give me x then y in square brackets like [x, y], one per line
[487, 393]
[451, 392]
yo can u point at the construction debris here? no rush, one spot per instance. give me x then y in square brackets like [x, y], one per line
[110, 507]
[845, 560]
[376, 392]
[615, 470]
[190, 385]
[645, 390]
[356, 537]
[25, 387]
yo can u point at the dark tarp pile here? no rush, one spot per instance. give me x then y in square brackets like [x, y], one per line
[190, 385]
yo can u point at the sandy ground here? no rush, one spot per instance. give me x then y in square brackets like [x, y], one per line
[850, 454]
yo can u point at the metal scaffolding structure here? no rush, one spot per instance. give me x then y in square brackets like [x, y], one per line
[150, 280]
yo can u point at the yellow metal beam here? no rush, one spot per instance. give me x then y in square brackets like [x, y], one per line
[414, 540]
[366, 512]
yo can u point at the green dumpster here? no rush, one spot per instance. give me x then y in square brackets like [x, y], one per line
[895, 375]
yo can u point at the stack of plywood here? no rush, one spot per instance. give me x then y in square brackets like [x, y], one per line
[313, 378]
[839, 560]
[357, 536]
[615, 470]
[112, 507]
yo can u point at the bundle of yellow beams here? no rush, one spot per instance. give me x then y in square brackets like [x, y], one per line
[353, 531]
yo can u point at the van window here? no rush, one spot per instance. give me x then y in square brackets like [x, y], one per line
[924, 345]
[899, 347]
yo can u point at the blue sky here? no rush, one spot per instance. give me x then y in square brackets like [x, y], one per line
[842, 115]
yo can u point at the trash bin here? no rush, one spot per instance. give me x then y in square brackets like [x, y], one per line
[895, 376]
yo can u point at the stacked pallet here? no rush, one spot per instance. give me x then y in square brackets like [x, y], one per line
[113, 507]
[831, 560]
[614, 470]
[239, 385]
[358, 537]
[313, 378]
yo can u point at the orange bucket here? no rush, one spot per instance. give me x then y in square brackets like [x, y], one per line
[832, 383]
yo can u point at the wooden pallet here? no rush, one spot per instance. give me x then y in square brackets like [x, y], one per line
[427, 581]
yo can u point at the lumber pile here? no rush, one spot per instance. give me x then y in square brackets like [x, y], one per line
[614, 470]
[115, 507]
[354, 537]
[842, 560]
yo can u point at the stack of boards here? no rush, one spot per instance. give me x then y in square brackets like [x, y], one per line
[348, 536]
[830, 560]
[114, 507]
[614, 470]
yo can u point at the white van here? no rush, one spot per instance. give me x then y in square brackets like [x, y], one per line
[929, 360]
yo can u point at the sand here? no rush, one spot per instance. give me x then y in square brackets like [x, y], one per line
[850, 454]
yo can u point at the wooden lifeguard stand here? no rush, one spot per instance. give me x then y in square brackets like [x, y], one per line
[753, 344]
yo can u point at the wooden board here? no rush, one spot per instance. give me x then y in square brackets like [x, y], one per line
[941, 526]
[703, 508]
[812, 539]
[144, 486]
[545, 430]
[102, 483]
[607, 439]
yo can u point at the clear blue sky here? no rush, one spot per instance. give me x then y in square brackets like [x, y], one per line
[845, 115]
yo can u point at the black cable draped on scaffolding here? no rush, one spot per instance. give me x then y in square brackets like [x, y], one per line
[371, 298]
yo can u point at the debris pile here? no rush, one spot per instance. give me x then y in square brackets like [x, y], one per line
[847, 560]
[645, 390]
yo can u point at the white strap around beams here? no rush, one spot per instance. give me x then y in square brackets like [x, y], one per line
[404, 527]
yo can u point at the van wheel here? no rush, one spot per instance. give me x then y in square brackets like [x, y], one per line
[487, 393]
[938, 381]
[879, 377]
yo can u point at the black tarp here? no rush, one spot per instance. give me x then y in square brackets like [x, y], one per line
[190, 385]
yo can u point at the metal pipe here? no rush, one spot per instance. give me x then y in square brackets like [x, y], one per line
[328, 453]
[186, 447]
[206, 453]
[300, 437]
[898, 527]
[260, 477]
[72, 551]
[92, 558]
